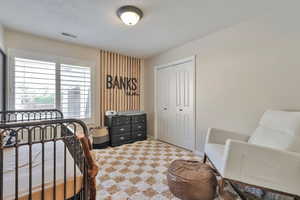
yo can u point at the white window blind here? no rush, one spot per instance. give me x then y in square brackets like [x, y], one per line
[34, 84]
[75, 91]
[38, 84]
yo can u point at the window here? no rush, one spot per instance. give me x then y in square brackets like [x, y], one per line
[75, 91]
[38, 84]
[34, 84]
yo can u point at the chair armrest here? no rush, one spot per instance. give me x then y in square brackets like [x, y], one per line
[219, 136]
[262, 166]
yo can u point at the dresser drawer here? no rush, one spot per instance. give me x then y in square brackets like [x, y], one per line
[139, 135]
[120, 130]
[121, 120]
[138, 127]
[139, 119]
[121, 139]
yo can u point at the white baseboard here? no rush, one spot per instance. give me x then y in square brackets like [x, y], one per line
[198, 153]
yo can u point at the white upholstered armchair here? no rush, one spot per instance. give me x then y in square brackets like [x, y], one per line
[269, 158]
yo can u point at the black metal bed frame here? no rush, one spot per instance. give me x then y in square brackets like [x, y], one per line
[40, 127]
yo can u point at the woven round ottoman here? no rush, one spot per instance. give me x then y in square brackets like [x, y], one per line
[192, 180]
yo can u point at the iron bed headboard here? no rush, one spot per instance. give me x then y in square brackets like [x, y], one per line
[30, 115]
[72, 132]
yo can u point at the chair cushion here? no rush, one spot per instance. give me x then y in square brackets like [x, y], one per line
[271, 138]
[279, 130]
[215, 154]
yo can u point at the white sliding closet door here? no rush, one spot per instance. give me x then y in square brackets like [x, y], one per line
[175, 104]
[163, 98]
[183, 106]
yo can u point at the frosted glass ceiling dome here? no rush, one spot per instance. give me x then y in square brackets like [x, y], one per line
[130, 15]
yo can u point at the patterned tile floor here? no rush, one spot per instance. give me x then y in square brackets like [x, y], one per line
[137, 171]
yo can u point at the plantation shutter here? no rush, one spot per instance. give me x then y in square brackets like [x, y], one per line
[75, 91]
[34, 84]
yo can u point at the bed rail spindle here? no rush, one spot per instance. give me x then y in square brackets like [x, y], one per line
[22, 134]
[43, 163]
[30, 163]
[83, 188]
[65, 170]
[74, 153]
[86, 185]
[17, 168]
[1, 164]
[54, 161]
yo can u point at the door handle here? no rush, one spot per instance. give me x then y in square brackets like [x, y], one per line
[180, 109]
[165, 109]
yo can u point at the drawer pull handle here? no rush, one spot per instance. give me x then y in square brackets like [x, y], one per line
[139, 126]
[139, 134]
[122, 129]
[122, 138]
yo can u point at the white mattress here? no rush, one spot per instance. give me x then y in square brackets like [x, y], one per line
[23, 178]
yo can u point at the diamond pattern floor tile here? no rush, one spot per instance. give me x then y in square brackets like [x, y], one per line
[137, 171]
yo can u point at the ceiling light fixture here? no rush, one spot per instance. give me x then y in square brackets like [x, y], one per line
[130, 15]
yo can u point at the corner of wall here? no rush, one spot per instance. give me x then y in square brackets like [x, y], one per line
[2, 42]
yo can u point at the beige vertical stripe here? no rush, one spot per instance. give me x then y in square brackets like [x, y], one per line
[127, 75]
[107, 91]
[118, 89]
[139, 85]
[101, 85]
[135, 76]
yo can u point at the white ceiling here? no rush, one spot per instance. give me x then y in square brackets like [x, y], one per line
[166, 23]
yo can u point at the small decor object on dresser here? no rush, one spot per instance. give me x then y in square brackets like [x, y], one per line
[126, 127]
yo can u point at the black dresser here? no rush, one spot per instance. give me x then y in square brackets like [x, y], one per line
[125, 129]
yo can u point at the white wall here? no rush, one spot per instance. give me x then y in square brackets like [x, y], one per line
[1, 37]
[42, 45]
[241, 71]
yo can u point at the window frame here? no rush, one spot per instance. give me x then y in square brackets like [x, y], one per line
[58, 60]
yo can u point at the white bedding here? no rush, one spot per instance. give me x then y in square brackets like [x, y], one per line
[23, 170]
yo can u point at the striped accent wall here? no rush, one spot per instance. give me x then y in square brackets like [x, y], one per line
[120, 83]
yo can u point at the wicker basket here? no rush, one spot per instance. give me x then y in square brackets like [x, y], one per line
[100, 137]
[192, 180]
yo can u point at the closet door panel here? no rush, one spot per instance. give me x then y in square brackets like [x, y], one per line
[163, 125]
[184, 124]
[173, 131]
